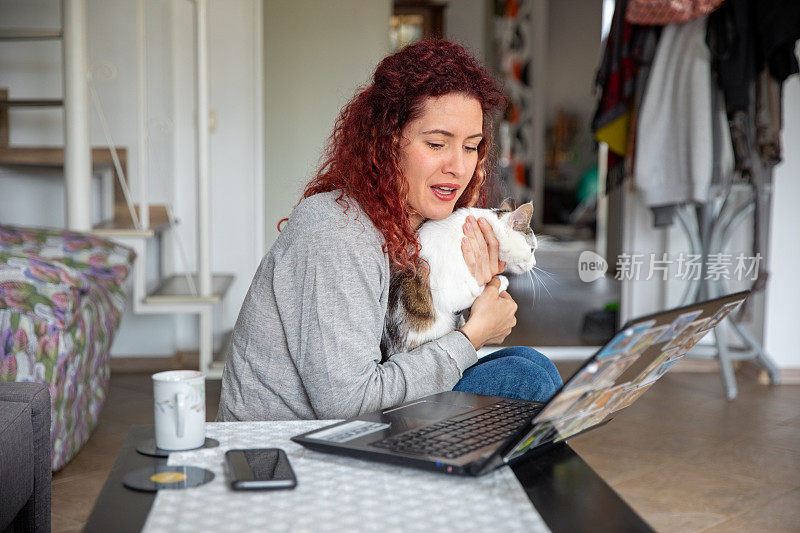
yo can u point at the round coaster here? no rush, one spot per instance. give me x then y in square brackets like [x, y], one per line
[148, 447]
[157, 477]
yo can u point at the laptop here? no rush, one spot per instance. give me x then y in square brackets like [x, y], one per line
[471, 434]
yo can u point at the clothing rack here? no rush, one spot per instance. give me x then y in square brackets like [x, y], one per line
[709, 227]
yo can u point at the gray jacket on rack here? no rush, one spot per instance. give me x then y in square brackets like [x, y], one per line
[683, 142]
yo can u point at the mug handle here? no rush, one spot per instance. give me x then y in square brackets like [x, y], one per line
[179, 412]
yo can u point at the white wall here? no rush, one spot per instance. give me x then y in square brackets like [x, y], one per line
[36, 197]
[783, 292]
[573, 54]
[235, 150]
[32, 69]
[465, 22]
[316, 53]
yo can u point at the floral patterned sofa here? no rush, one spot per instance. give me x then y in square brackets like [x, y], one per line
[61, 301]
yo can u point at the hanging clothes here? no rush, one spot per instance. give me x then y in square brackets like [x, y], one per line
[616, 79]
[752, 41]
[644, 53]
[664, 12]
[621, 78]
[732, 41]
[753, 49]
[676, 155]
[768, 118]
[777, 30]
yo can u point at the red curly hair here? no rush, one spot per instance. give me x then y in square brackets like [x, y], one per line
[362, 155]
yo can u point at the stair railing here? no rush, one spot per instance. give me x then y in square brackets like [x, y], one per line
[77, 150]
[107, 71]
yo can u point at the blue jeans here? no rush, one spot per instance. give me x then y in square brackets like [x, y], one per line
[516, 372]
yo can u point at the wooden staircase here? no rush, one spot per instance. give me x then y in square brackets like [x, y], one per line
[117, 218]
[173, 294]
[122, 224]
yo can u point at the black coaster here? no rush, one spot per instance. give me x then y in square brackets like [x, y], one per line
[148, 447]
[157, 477]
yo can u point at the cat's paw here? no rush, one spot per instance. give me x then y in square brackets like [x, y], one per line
[503, 283]
[475, 290]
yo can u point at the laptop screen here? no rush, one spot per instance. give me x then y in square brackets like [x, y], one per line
[622, 370]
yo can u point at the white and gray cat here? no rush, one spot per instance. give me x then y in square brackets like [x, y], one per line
[422, 310]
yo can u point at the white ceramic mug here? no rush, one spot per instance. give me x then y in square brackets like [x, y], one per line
[180, 409]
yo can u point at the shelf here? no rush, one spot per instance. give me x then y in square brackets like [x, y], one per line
[32, 102]
[20, 34]
[122, 224]
[53, 156]
[175, 290]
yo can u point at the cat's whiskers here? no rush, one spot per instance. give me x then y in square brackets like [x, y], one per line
[533, 286]
[545, 272]
[543, 282]
[539, 279]
[550, 276]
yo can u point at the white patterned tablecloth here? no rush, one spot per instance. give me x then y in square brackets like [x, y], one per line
[337, 493]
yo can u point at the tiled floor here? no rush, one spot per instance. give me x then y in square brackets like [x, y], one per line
[682, 456]
[688, 460]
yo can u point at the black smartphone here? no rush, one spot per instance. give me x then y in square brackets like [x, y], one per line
[266, 468]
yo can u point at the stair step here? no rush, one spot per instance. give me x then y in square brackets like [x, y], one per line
[53, 156]
[19, 34]
[32, 102]
[175, 290]
[122, 224]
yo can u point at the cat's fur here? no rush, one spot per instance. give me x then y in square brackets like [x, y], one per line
[422, 310]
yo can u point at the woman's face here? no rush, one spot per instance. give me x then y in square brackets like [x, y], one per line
[439, 153]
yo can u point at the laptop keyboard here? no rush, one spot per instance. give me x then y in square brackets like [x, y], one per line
[461, 435]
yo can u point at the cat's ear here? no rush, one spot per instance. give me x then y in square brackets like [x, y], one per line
[507, 205]
[520, 219]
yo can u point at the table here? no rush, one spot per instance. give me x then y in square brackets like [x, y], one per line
[566, 492]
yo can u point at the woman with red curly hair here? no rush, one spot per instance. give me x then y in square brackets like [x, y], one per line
[413, 145]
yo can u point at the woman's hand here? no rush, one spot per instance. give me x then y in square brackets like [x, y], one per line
[491, 317]
[481, 250]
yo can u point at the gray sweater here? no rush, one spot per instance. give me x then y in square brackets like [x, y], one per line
[306, 344]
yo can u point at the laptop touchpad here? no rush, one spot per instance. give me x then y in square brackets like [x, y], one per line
[427, 410]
